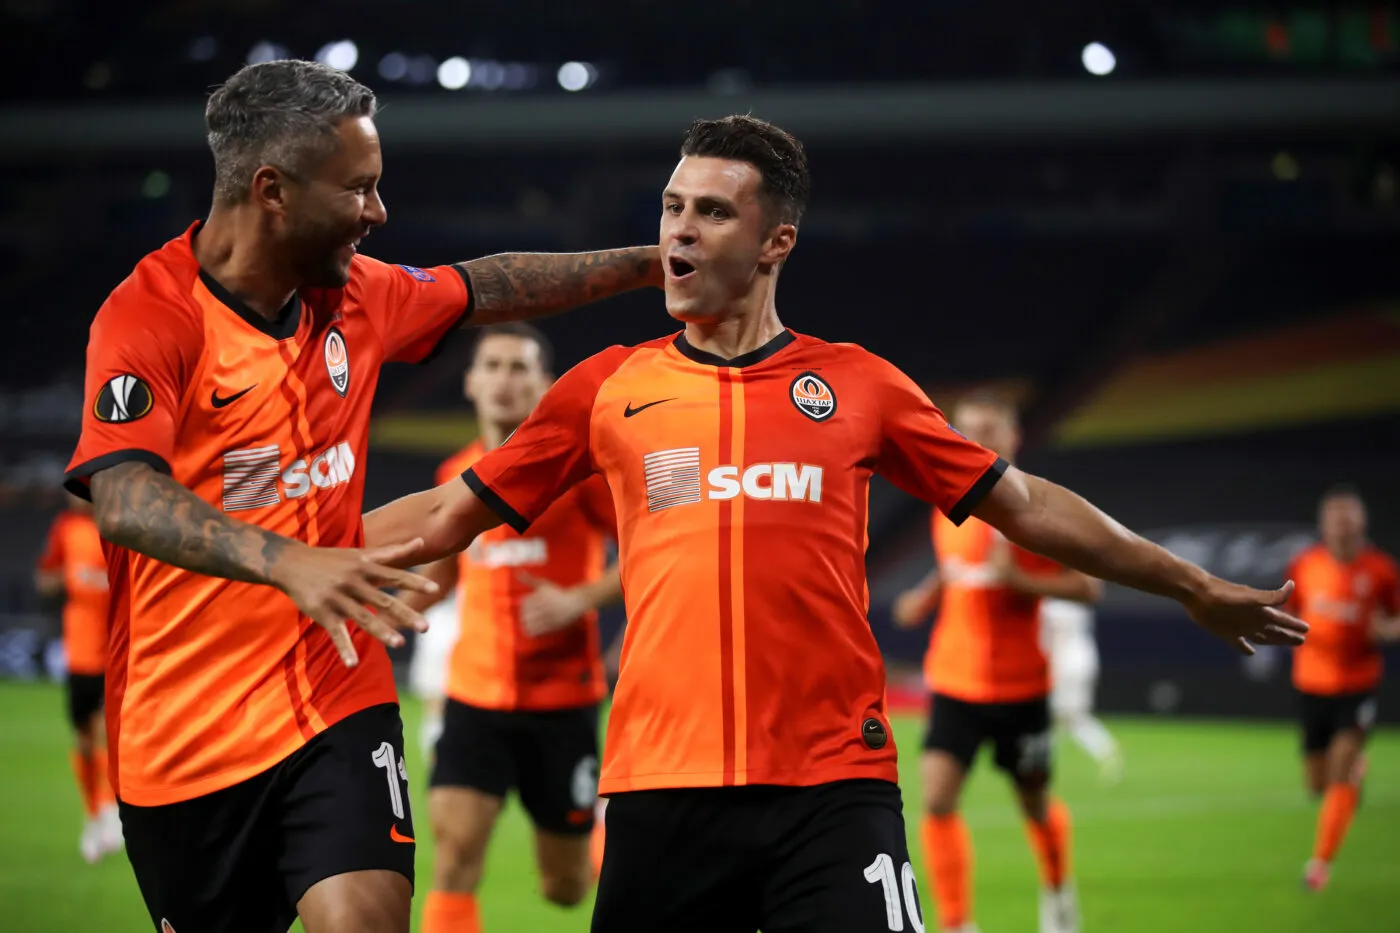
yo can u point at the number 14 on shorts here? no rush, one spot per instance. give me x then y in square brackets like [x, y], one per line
[881, 872]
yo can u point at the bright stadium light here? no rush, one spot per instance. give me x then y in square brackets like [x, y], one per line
[454, 73]
[575, 76]
[394, 66]
[340, 55]
[266, 51]
[1098, 59]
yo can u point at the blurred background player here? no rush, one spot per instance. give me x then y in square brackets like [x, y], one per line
[73, 571]
[427, 671]
[526, 675]
[990, 681]
[1348, 591]
[1067, 635]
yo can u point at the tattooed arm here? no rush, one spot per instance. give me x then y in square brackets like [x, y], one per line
[514, 286]
[150, 513]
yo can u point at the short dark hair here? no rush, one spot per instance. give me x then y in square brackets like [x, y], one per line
[524, 331]
[777, 154]
[282, 113]
[1341, 491]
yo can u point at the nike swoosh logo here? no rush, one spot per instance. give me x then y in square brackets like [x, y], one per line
[629, 411]
[229, 399]
[397, 836]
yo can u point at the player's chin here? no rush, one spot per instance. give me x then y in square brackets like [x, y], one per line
[689, 310]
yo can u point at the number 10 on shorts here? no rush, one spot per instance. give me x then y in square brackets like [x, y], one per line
[881, 872]
[385, 758]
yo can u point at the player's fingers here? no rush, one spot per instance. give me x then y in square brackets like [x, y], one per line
[335, 627]
[1282, 620]
[395, 555]
[390, 610]
[383, 575]
[1243, 646]
[371, 623]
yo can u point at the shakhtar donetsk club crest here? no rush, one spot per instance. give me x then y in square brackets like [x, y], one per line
[337, 360]
[813, 397]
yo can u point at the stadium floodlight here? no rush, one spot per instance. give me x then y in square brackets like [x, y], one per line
[266, 51]
[340, 55]
[454, 73]
[575, 76]
[394, 66]
[1098, 59]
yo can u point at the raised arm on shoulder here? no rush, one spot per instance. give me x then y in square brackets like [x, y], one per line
[444, 520]
[144, 510]
[1049, 519]
[514, 286]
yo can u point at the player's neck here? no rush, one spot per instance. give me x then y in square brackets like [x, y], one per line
[493, 435]
[227, 248]
[1344, 552]
[734, 335]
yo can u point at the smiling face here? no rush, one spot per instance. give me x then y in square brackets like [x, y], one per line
[717, 237]
[320, 218]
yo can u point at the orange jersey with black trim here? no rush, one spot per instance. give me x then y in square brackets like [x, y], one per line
[741, 490]
[74, 548]
[1338, 601]
[985, 646]
[495, 664]
[212, 681]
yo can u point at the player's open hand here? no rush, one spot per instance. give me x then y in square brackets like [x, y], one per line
[549, 607]
[334, 586]
[1245, 617]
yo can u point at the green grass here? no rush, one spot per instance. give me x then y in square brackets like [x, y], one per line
[1208, 833]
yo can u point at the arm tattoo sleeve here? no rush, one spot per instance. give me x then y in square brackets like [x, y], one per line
[513, 286]
[148, 512]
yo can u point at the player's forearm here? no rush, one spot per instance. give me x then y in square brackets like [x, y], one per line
[49, 584]
[446, 519]
[150, 513]
[1076, 587]
[603, 591]
[514, 286]
[1049, 519]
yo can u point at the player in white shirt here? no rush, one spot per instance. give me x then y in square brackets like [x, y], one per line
[427, 672]
[1068, 632]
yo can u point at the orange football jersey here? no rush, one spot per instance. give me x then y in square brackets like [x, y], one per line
[740, 488]
[212, 681]
[495, 664]
[985, 646]
[1338, 601]
[74, 548]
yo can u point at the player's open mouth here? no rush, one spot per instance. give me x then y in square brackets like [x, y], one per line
[679, 267]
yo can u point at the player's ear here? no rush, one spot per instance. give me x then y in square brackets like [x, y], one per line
[779, 244]
[268, 188]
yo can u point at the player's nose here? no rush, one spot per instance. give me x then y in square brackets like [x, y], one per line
[376, 211]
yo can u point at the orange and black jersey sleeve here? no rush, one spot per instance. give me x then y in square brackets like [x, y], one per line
[140, 356]
[414, 310]
[922, 454]
[551, 452]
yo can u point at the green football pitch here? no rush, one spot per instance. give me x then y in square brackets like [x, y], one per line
[1208, 832]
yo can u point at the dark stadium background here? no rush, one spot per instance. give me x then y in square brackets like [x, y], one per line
[1186, 268]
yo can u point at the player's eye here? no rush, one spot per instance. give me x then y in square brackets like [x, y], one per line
[672, 208]
[718, 213]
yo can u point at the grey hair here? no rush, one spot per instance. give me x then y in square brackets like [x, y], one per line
[282, 113]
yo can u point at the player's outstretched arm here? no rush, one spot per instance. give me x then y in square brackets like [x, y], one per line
[514, 286]
[145, 511]
[444, 520]
[1041, 516]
